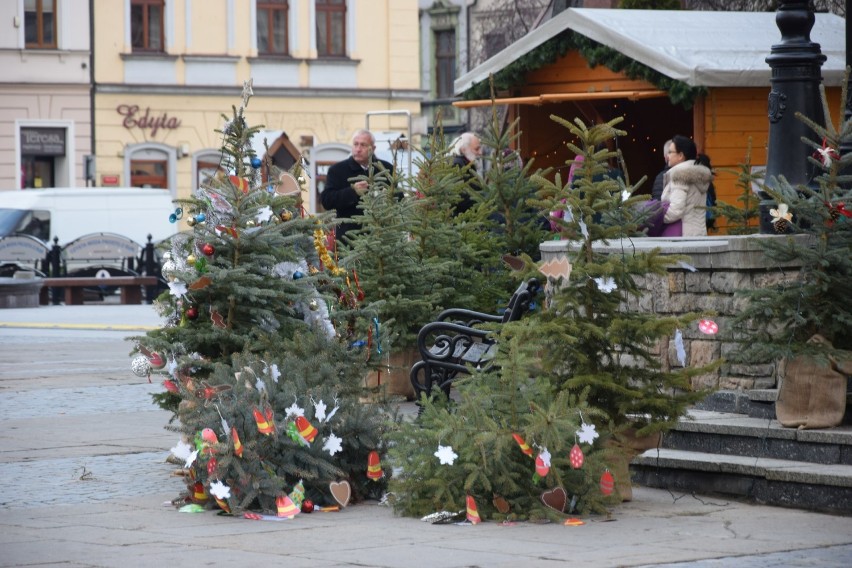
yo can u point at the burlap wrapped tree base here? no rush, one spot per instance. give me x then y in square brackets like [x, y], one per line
[628, 445]
[812, 393]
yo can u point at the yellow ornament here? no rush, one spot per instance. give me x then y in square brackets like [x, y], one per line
[250, 223]
[285, 215]
[190, 259]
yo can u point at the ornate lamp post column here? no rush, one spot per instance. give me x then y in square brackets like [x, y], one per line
[795, 64]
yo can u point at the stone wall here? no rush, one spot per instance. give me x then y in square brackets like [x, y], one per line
[723, 265]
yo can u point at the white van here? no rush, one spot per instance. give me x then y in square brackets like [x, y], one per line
[69, 213]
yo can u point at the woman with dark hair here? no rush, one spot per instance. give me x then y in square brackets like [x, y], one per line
[686, 185]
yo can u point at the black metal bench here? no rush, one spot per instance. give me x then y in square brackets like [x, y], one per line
[453, 343]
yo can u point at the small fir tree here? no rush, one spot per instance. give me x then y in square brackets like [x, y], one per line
[590, 338]
[778, 320]
[742, 219]
[258, 338]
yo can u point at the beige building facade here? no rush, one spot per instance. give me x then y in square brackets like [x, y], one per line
[167, 70]
[45, 99]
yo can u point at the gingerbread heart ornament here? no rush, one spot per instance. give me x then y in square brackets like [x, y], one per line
[556, 499]
[341, 491]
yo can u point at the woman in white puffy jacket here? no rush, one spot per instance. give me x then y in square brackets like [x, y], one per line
[686, 185]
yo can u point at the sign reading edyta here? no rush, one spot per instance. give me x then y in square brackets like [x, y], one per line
[132, 119]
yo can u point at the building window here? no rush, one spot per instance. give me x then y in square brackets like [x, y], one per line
[331, 28]
[149, 173]
[40, 24]
[272, 27]
[146, 24]
[445, 63]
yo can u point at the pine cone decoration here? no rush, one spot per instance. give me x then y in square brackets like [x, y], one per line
[781, 226]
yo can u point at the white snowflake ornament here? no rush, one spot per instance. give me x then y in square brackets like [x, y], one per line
[177, 288]
[606, 284]
[332, 444]
[295, 410]
[679, 348]
[587, 433]
[446, 455]
[219, 490]
[319, 410]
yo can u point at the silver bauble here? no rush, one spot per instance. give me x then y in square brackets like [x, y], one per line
[169, 268]
[140, 366]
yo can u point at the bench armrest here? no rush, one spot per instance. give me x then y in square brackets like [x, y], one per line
[468, 318]
[445, 341]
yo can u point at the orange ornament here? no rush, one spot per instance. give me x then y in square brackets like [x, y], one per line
[374, 467]
[239, 183]
[286, 507]
[263, 426]
[524, 447]
[198, 493]
[472, 512]
[306, 429]
[238, 446]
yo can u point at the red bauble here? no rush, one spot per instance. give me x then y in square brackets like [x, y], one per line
[192, 313]
[208, 249]
[307, 506]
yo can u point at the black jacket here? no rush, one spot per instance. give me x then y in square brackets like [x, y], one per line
[338, 194]
[471, 182]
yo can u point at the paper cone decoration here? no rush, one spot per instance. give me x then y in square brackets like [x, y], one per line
[472, 512]
[286, 508]
[238, 446]
[542, 466]
[576, 457]
[239, 183]
[607, 483]
[524, 447]
[223, 505]
[306, 429]
[198, 493]
[374, 468]
[297, 495]
[263, 426]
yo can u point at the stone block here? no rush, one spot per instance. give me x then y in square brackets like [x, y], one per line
[697, 282]
[729, 282]
[735, 383]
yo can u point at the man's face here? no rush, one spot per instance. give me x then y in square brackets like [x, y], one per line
[474, 151]
[362, 149]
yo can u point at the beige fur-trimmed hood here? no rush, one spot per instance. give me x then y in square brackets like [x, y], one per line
[689, 173]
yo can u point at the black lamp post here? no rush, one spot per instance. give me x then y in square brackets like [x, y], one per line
[795, 64]
[846, 145]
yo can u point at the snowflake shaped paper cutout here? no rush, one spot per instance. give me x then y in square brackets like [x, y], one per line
[295, 410]
[219, 490]
[679, 348]
[182, 450]
[260, 385]
[172, 366]
[177, 288]
[587, 433]
[332, 444]
[226, 428]
[625, 195]
[606, 284]
[319, 411]
[583, 229]
[446, 455]
[274, 372]
[332, 413]
[191, 459]
[264, 214]
[545, 457]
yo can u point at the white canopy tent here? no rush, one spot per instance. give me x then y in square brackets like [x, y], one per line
[706, 49]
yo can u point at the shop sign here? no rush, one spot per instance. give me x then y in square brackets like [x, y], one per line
[145, 120]
[42, 141]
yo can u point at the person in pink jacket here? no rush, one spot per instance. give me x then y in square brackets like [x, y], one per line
[685, 190]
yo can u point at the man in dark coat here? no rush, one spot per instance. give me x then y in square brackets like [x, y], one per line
[465, 151]
[342, 193]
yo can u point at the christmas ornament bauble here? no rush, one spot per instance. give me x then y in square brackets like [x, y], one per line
[191, 221]
[607, 483]
[191, 259]
[256, 162]
[201, 217]
[307, 506]
[208, 249]
[298, 274]
[169, 268]
[285, 215]
[313, 305]
[575, 456]
[250, 223]
[192, 313]
[167, 255]
[140, 366]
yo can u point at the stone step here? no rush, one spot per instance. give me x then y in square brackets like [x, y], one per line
[787, 483]
[739, 435]
[754, 459]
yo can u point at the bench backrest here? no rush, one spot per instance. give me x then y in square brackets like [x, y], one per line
[520, 301]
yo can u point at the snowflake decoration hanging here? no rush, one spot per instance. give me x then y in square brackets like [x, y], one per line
[332, 444]
[182, 450]
[264, 214]
[177, 288]
[319, 410]
[606, 284]
[273, 372]
[260, 385]
[295, 410]
[446, 455]
[219, 490]
[781, 213]
[679, 348]
[587, 433]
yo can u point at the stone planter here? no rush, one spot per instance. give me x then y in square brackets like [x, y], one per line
[19, 292]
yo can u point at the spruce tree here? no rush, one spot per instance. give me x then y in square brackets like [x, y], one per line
[592, 337]
[778, 320]
[261, 347]
[742, 219]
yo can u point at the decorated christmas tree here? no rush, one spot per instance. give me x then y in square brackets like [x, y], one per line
[263, 349]
[780, 320]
